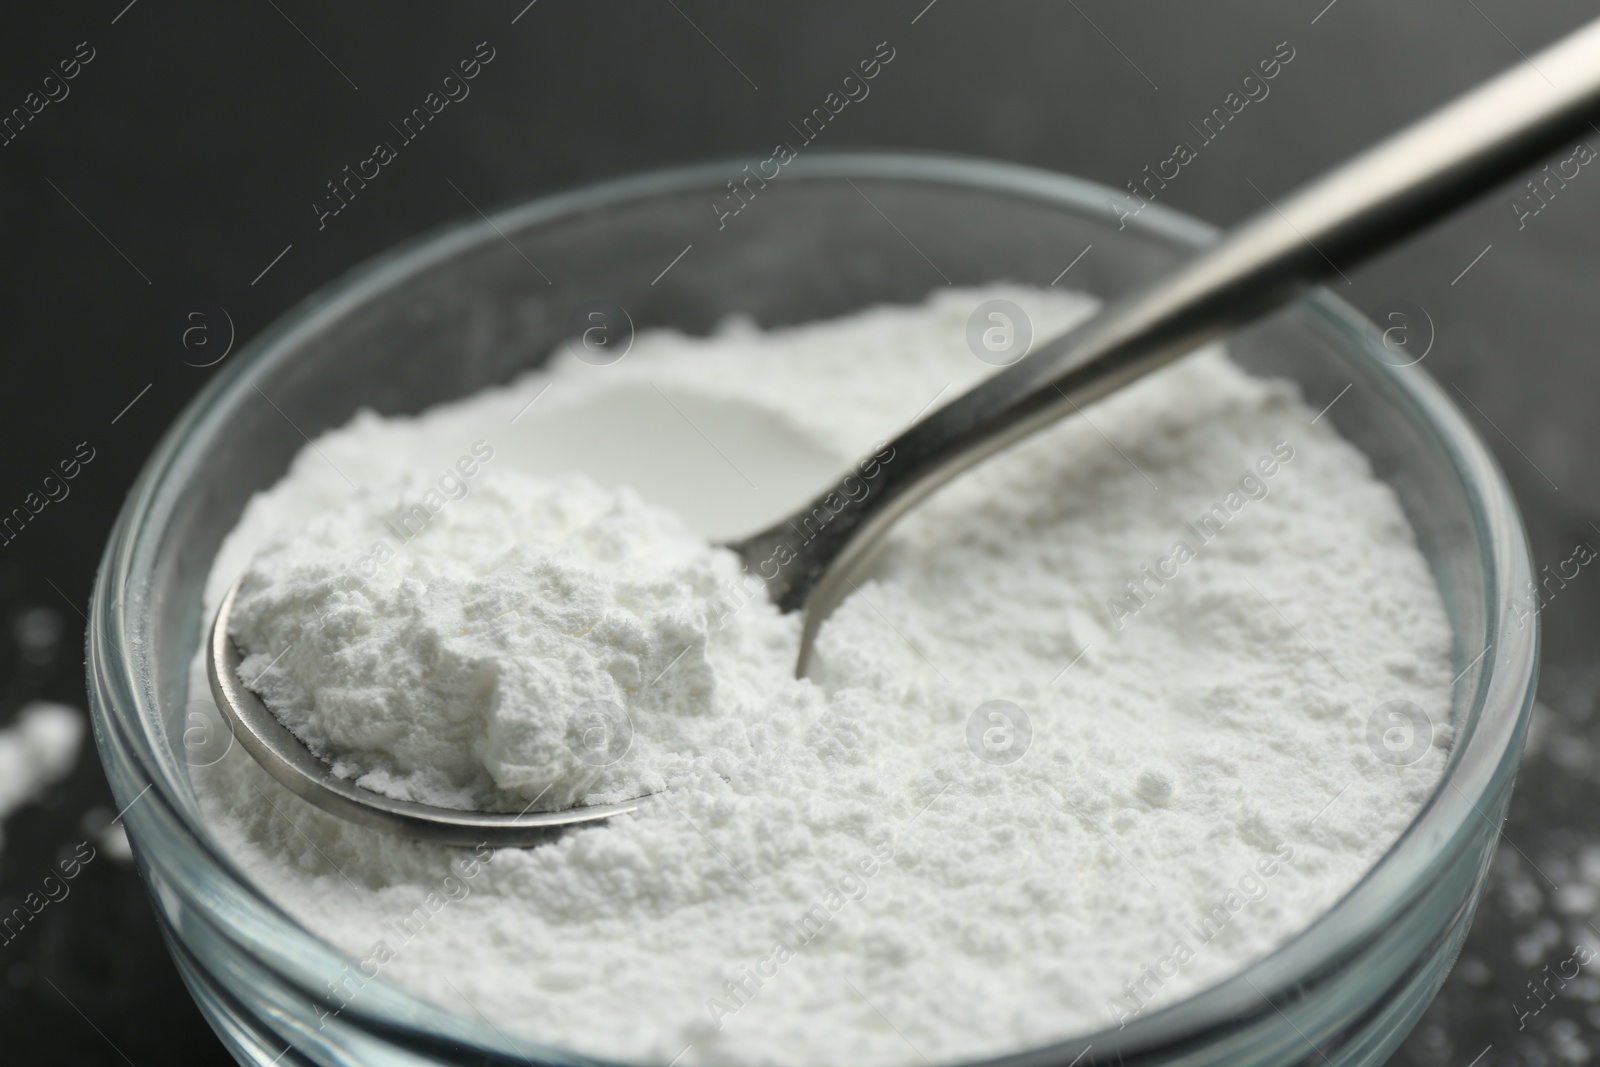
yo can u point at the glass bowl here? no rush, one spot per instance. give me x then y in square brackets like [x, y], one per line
[460, 308]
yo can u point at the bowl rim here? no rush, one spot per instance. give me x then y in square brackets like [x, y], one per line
[124, 712]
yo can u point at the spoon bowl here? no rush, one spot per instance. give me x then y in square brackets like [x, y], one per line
[284, 756]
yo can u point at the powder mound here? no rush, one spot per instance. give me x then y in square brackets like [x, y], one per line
[39, 749]
[1191, 605]
[535, 641]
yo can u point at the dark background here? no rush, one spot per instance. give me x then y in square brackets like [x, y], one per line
[192, 147]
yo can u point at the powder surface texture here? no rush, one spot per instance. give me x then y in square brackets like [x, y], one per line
[542, 643]
[1101, 711]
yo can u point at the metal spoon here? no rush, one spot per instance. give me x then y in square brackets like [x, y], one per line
[1363, 206]
[285, 757]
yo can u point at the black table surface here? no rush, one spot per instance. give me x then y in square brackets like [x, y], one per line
[193, 141]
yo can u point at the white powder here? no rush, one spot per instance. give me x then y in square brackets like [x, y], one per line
[36, 751]
[880, 863]
[514, 650]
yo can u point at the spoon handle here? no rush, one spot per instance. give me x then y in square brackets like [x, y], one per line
[1367, 204]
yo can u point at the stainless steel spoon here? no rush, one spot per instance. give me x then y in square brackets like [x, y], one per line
[1366, 204]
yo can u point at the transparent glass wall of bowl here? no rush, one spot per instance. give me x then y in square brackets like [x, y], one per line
[462, 308]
